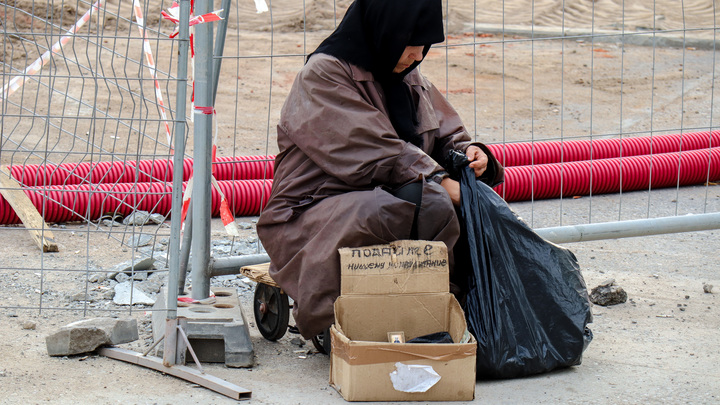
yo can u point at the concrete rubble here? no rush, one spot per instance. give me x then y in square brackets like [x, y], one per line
[143, 218]
[127, 267]
[608, 293]
[140, 240]
[89, 334]
[127, 294]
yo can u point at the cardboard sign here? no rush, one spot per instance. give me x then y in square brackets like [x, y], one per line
[401, 267]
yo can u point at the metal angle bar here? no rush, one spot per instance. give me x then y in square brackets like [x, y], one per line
[182, 334]
[157, 342]
[186, 373]
[185, 245]
[629, 229]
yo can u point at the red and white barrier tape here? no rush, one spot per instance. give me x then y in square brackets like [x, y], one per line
[151, 66]
[173, 14]
[225, 213]
[16, 82]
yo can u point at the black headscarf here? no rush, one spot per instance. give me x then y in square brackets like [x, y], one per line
[373, 35]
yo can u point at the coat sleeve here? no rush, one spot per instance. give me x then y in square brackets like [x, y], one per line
[334, 123]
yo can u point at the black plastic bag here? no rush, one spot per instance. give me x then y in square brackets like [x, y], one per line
[527, 303]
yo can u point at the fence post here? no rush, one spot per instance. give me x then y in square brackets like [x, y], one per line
[202, 201]
[175, 278]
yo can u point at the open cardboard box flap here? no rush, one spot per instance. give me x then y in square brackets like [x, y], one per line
[400, 267]
[370, 318]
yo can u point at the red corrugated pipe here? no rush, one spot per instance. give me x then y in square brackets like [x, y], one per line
[70, 202]
[77, 202]
[537, 153]
[610, 175]
[85, 201]
[143, 171]
[262, 167]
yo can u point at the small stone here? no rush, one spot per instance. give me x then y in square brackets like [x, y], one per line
[108, 295]
[12, 315]
[81, 296]
[707, 288]
[97, 278]
[245, 225]
[297, 342]
[150, 286]
[29, 325]
[122, 277]
[608, 293]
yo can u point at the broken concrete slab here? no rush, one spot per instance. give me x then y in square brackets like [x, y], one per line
[127, 294]
[152, 284]
[140, 240]
[89, 334]
[128, 266]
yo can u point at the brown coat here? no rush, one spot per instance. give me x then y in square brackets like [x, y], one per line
[338, 158]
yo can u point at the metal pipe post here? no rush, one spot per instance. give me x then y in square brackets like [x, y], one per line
[179, 154]
[203, 146]
[225, 266]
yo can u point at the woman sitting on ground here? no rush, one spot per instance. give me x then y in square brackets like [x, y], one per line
[363, 139]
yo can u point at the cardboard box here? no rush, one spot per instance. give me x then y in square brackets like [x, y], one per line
[400, 287]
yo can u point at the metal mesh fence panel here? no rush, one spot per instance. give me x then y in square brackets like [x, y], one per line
[88, 115]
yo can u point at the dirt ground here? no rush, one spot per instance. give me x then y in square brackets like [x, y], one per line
[658, 347]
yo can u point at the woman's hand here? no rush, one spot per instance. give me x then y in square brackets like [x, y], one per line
[478, 159]
[453, 189]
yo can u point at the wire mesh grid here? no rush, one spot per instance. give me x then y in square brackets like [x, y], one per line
[104, 101]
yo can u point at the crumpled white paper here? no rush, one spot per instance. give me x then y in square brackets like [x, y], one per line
[413, 377]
